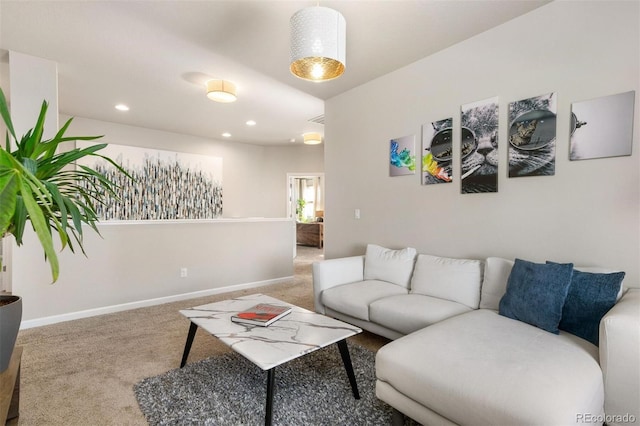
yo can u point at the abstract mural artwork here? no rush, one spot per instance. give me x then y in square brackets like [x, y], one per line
[532, 136]
[602, 127]
[479, 146]
[402, 156]
[166, 185]
[437, 152]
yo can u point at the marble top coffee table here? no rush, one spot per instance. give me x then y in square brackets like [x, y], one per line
[298, 333]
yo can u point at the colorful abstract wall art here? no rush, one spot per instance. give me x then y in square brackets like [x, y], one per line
[437, 152]
[602, 127]
[532, 136]
[479, 146]
[402, 156]
[167, 185]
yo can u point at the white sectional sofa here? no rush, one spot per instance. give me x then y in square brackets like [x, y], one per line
[465, 350]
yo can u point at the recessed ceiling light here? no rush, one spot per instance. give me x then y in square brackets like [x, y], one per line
[122, 107]
[292, 140]
[226, 134]
[251, 123]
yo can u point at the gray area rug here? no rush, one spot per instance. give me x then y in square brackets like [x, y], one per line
[229, 390]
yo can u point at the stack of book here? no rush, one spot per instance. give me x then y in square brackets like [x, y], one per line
[262, 314]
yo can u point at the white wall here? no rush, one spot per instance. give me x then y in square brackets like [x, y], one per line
[254, 177]
[137, 263]
[587, 213]
[307, 159]
[32, 81]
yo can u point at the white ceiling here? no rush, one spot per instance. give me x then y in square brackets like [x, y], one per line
[155, 56]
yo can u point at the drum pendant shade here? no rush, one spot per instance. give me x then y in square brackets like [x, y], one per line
[312, 138]
[318, 44]
[221, 91]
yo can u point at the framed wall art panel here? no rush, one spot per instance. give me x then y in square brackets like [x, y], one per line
[532, 136]
[479, 147]
[402, 156]
[437, 152]
[602, 127]
[166, 185]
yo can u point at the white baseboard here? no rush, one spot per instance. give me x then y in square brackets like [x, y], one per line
[38, 322]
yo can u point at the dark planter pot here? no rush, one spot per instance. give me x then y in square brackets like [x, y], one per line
[10, 317]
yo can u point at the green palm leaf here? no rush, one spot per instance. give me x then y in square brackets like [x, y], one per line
[42, 186]
[8, 196]
[41, 227]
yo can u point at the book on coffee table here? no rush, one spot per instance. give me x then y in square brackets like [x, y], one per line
[262, 314]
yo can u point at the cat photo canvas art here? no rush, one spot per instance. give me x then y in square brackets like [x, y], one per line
[532, 136]
[479, 146]
[437, 152]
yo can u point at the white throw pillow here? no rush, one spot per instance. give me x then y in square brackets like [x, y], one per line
[494, 286]
[457, 280]
[394, 266]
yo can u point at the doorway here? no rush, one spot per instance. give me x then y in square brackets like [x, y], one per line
[305, 205]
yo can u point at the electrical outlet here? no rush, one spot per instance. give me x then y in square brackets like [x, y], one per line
[356, 214]
[183, 272]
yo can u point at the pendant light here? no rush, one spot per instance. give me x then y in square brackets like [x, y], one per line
[318, 44]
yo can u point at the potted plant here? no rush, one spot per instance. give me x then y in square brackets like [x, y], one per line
[300, 209]
[39, 184]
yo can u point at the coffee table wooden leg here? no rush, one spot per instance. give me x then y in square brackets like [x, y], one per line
[346, 359]
[187, 346]
[268, 412]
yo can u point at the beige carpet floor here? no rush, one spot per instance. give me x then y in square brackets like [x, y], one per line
[82, 372]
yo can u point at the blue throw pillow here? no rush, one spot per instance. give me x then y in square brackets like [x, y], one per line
[536, 293]
[590, 297]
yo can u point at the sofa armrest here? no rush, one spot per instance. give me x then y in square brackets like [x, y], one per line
[619, 355]
[334, 272]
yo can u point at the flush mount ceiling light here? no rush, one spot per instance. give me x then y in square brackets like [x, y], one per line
[312, 138]
[318, 44]
[221, 91]
[122, 107]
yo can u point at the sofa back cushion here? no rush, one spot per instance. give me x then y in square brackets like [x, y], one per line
[457, 280]
[496, 275]
[494, 286]
[394, 266]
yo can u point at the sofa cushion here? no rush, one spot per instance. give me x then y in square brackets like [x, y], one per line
[590, 296]
[354, 299]
[536, 293]
[600, 270]
[394, 266]
[494, 285]
[407, 313]
[496, 275]
[481, 368]
[457, 280]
